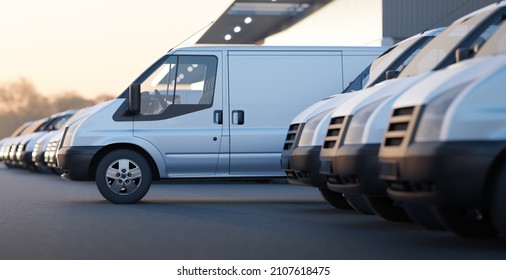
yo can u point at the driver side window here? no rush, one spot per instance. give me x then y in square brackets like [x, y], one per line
[180, 80]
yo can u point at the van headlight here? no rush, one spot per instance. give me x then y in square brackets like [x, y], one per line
[307, 135]
[432, 116]
[358, 121]
[68, 133]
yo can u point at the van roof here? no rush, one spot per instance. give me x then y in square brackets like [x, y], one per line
[276, 48]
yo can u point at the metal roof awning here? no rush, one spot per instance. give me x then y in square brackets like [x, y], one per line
[251, 21]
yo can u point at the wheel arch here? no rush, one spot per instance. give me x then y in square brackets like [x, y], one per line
[155, 173]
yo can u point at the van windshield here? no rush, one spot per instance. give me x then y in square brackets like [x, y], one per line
[392, 59]
[179, 80]
[35, 126]
[496, 44]
[379, 66]
[20, 129]
[430, 56]
[359, 81]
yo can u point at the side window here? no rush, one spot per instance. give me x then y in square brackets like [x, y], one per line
[179, 81]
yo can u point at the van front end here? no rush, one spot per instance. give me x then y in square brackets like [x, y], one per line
[454, 179]
[353, 169]
[86, 135]
[441, 174]
[446, 149]
[300, 158]
[301, 166]
[75, 162]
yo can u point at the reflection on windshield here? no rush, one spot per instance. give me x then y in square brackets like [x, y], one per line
[430, 56]
[496, 44]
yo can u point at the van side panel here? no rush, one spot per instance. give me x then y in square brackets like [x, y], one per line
[266, 91]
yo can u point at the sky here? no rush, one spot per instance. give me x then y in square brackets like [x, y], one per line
[99, 47]
[94, 46]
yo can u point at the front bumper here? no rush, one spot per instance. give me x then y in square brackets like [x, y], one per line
[302, 166]
[449, 174]
[75, 162]
[354, 168]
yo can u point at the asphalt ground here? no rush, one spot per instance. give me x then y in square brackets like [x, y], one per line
[45, 217]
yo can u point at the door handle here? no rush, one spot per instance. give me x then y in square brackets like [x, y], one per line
[218, 117]
[238, 117]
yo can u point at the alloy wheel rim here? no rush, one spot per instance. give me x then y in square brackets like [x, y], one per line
[123, 176]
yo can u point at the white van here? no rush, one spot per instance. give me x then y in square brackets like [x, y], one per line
[445, 145]
[204, 112]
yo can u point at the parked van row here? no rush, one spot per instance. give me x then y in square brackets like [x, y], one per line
[26, 146]
[426, 145]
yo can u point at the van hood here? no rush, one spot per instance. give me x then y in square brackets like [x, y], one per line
[366, 96]
[87, 111]
[322, 106]
[443, 80]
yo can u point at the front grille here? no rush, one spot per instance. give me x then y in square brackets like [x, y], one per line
[416, 187]
[343, 180]
[398, 126]
[389, 171]
[333, 132]
[291, 136]
[297, 175]
[291, 174]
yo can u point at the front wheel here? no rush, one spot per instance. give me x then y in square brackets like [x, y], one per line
[123, 177]
[335, 199]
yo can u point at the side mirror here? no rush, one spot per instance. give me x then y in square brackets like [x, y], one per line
[463, 54]
[391, 74]
[134, 98]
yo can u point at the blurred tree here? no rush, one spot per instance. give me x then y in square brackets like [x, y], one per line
[70, 100]
[103, 97]
[20, 101]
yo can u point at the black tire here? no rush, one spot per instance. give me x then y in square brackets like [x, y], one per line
[470, 223]
[424, 216]
[387, 209]
[123, 177]
[335, 199]
[497, 198]
[358, 202]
